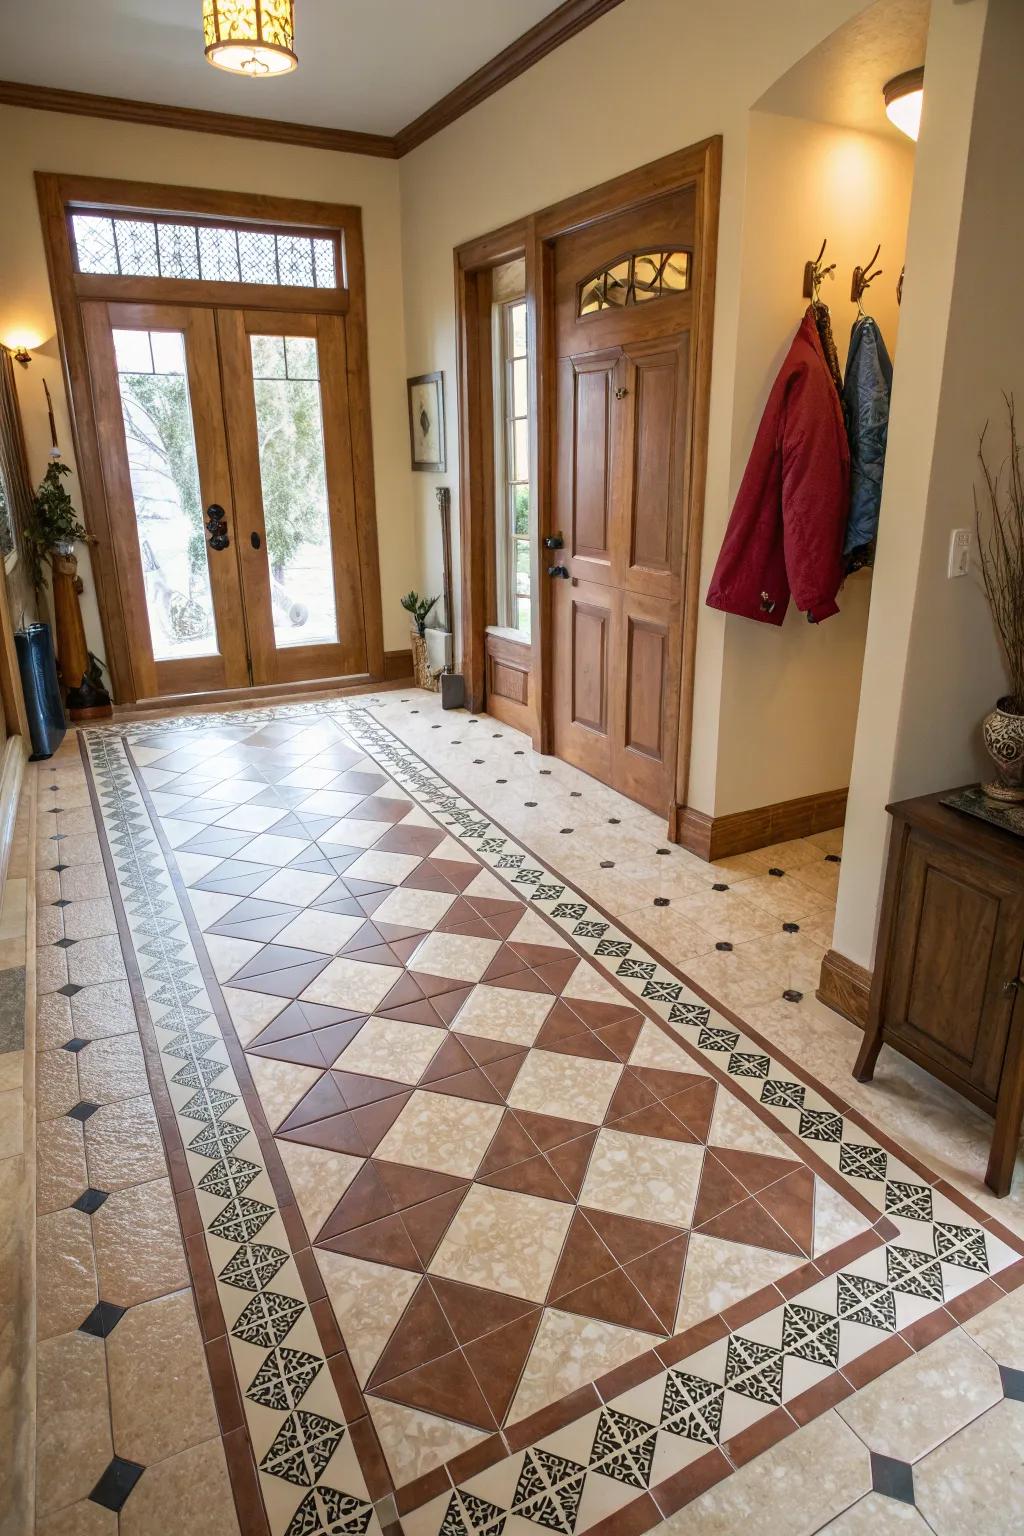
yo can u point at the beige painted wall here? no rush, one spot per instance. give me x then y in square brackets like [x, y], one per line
[649, 78]
[49, 141]
[932, 667]
[789, 695]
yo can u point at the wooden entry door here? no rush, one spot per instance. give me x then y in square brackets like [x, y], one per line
[226, 454]
[624, 326]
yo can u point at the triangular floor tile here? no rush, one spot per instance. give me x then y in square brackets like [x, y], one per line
[427, 1224]
[658, 1276]
[749, 1223]
[473, 1312]
[366, 1199]
[614, 1299]
[627, 1237]
[695, 1107]
[551, 1130]
[718, 1191]
[358, 1089]
[509, 1145]
[447, 1387]
[571, 1161]
[406, 1186]
[791, 1203]
[655, 1120]
[383, 1242]
[323, 1099]
[422, 1334]
[755, 1170]
[497, 1361]
[472, 1084]
[584, 1258]
[450, 1059]
[533, 1177]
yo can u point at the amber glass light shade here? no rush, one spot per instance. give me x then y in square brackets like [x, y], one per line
[250, 37]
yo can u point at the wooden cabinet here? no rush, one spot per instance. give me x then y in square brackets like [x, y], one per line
[947, 986]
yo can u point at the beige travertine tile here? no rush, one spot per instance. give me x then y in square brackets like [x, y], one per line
[51, 968]
[392, 1048]
[323, 932]
[160, 1397]
[820, 876]
[975, 1482]
[89, 919]
[65, 1272]
[783, 896]
[103, 1010]
[655, 1049]
[139, 1253]
[123, 1144]
[439, 1131]
[786, 1489]
[251, 1012]
[187, 1495]
[280, 1085]
[568, 1351]
[83, 882]
[112, 1068]
[415, 1443]
[228, 955]
[93, 961]
[1000, 1330]
[504, 1241]
[80, 848]
[353, 984]
[725, 915]
[502, 1013]
[387, 868]
[82, 1519]
[49, 925]
[719, 1273]
[60, 1163]
[368, 1299]
[56, 1083]
[454, 955]
[75, 818]
[924, 1400]
[297, 886]
[413, 909]
[573, 1086]
[318, 1178]
[643, 1176]
[12, 1122]
[876, 1515]
[73, 1445]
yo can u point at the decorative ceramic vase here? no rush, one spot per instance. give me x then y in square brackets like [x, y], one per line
[1003, 733]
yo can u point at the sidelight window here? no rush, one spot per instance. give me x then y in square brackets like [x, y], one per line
[512, 462]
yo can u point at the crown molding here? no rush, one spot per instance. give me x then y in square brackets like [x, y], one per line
[569, 18]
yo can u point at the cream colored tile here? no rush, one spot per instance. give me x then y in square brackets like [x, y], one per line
[160, 1397]
[569, 1351]
[392, 1048]
[325, 932]
[56, 1083]
[229, 955]
[280, 1085]
[112, 1069]
[785, 897]
[318, 1178]
[975, 1482]
[668, 932]
[60, 1163]
[719, 1273]
[725, 916]
[924, 1400]
[251, 818]
[1000, 1330]
[187, 1495]
[439, 1131]
[503, 1013]
[330, 802]
[65, 1272]
[82, 1519]
[589, 985]
[828, 842]
[414, 1442]
[877, 1515]
[123, 1144]
[504, 1241]
[210, 906]
[454, 955]
[643, 1176]
[12, 1122]
[103, 1010]
[354, 833]
[251, 1012]
[84, 882]
[73, 1445]
[368, 1299]
[268, 849]
[579, 1088]
[89, 919]
[297, 887]
[835, 1219]
[353, 984]
[413, 909]
[821, 877]
[93, 961]
[387, 868]
[654, 1049]
[139, 1252]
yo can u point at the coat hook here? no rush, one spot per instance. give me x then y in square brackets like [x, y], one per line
[899, 285]
[815, 274]
[863, 277]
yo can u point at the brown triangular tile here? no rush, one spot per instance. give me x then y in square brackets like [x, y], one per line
[562, 1023]
[485, 1051]
[630, 1095]
[585, 1044]
[655, 1120]
[658, 1276]
[365, 1200]
[395, 933]
[718, 1191]
[382, 1242]
[523, 981]
[497, 1361]
[421, 1335]
[503, 1073]
[405, 990]
[755, 1170]
[510, 1144]
[493, 907]
[412, 1013]
[372, 900]
[533, 1177]
[472, 1084]
[333, 1038]
[749, 1223]
[426, 877]
[379, 954]
[791, 1203]
[452, 1057]
[404, 949]
[322, 1099]
[459, 871]
[465, 923]
[664, 1083]
[540, 954]
[505, 923]
[557, 974]
[472, 1311]
[614, 1299]
[584, 1258]
[407, 1186]
[600, 1015]
[434, 986]
[504, 962]
[446, 1386]
[427, 1224]
[628, 1237]
[358, 1088]
[551, 1130]
[302, 1049]
[365, 937]
[571, 1161]
[335, 1133]
[621, 1038]
[695, 1107]
[447, 1004]
[299, 1017]
[375, 1120]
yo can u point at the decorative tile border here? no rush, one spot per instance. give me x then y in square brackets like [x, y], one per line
[658, 1437]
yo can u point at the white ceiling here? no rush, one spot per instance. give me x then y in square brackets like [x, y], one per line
[840, 81]
[372, 65]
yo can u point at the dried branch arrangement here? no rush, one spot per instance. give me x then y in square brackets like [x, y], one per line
[999, 519]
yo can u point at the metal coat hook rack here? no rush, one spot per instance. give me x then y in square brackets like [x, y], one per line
[863, 277]
[815, 274]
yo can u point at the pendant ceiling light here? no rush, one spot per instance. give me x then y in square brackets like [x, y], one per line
[904, 97]
[250, 37]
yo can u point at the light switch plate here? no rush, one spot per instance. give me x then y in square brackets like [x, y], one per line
[959, 552]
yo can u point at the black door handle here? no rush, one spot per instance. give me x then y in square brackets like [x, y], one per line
[217, 526]
[554, 541]
[558, 570]
[254, 540]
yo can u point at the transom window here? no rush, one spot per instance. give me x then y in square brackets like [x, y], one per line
[635, 279]
[512, 456]
[124, 245]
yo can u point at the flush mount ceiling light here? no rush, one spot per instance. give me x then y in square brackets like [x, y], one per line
[250, 37]
[903, 99]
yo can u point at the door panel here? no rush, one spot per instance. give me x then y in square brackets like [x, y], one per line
[645, 689]
[583, 703]
[658, 380]
[586, 493]
[645, 749]
[156, 393]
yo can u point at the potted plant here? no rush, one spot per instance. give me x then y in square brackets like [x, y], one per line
[999, 518]
[419, 609]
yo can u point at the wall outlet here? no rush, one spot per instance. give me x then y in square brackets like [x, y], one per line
[959, 552]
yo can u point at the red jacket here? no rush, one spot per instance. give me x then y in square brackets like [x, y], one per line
[786, 530]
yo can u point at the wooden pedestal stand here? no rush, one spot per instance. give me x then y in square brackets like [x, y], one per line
[85, 700]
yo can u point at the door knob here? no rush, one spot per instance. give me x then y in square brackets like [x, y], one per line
[554, 541]
[1010, 987]
[217, 526]
[558, 570]
[621, 392]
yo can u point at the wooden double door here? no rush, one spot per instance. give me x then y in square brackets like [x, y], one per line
[225, 445]
[624, 330]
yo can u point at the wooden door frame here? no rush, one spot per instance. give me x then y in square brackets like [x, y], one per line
[58, 196]
[698, 166]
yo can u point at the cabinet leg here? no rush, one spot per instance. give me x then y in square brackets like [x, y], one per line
[864, 1066]
[1009, 1114]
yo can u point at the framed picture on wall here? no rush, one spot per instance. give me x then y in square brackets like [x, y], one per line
[426, 422]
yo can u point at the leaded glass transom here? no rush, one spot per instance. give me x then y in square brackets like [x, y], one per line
[635, 279]
[116, 245]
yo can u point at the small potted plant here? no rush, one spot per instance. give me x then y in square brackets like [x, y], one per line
[419, 610]
[999, 518]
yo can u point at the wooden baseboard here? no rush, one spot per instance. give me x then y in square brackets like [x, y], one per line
[717, 837]
[397, 666]
[845, 987]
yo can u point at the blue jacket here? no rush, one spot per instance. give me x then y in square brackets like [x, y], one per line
[866, 402]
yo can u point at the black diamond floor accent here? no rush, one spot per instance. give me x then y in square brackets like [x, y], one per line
[1013, 1383]
[894, 1479]
[90, 1200]
[116, 1483]
[76, 1045]
[64, 943]
[58, 869]
[103, 1319]
[82, 1110]
[63, 902]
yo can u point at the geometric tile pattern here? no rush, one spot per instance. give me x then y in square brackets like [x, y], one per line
[506, 1147]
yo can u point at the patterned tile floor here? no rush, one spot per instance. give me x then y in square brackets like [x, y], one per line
[494, 1224]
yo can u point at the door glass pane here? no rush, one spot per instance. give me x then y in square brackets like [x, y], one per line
[293, 473]
[165, 487]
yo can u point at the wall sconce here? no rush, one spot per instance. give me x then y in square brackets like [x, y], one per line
[19, 348]
[904, 97]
